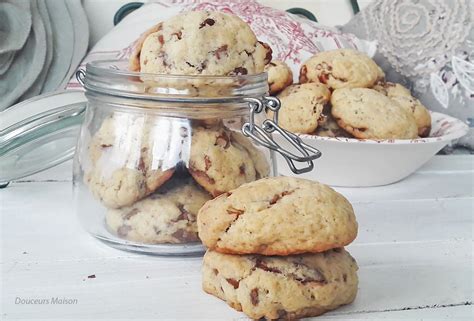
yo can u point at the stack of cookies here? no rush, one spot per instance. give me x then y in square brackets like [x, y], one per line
[153, 190]
[360, 103]
[276, 248]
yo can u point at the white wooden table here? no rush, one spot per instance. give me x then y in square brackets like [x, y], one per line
[414, 250]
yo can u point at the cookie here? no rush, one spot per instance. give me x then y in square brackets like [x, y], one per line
[277, 216]
[126, 161]
[341, 68]
[134, 60]
[368, 114]
[166, 216]
[404, 98]
[117, 188]
[259, 158]
[181, 45]
[280, 76]
[218, 163]
[301, 107]
[283, 288]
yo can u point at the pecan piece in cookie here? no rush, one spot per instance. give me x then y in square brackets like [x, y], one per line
[315, 276]
[254, 296]
[123, 230]
[269, 52]
[207, 22]
[223, 140]
[233, 282]
[260, 264]
[277, 197]
[220, 51]
[130, 214]
[234, 211]
[303, 73]
[201, 176]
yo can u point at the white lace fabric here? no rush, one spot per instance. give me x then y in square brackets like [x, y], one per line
[419, 37]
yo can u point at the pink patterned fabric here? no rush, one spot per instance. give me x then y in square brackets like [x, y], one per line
[292, 38]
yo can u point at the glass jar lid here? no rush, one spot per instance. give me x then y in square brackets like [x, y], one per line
[111, 77]
[39, 133]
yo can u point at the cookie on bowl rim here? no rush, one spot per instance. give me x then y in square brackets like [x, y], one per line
[368, 114]
[283, 288]
[166, 216]
[277, 216]
[280, 76]
[341, 68]
[180, 45]
[302, 106]
[404, 98]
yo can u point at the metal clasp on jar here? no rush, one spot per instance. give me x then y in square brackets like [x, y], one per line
[262, 135]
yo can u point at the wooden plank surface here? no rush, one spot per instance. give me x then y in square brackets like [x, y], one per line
[414, 251]
[379, 222]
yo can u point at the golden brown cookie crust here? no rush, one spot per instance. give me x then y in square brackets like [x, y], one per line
[280, 76]
[134, 60]
[368, 114]
[181, 45]
[341, 68]
[301, 107]
[277, 216]
[284, 288]
[403, 97]
[217, 162]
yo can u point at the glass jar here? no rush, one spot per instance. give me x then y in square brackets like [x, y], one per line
[154, 148]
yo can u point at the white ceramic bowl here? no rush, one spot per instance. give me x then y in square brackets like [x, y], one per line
[353, 162]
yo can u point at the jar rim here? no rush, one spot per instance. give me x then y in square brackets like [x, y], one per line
[111, 77]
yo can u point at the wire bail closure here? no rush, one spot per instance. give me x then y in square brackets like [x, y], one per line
[261, 135]
[81, 76]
